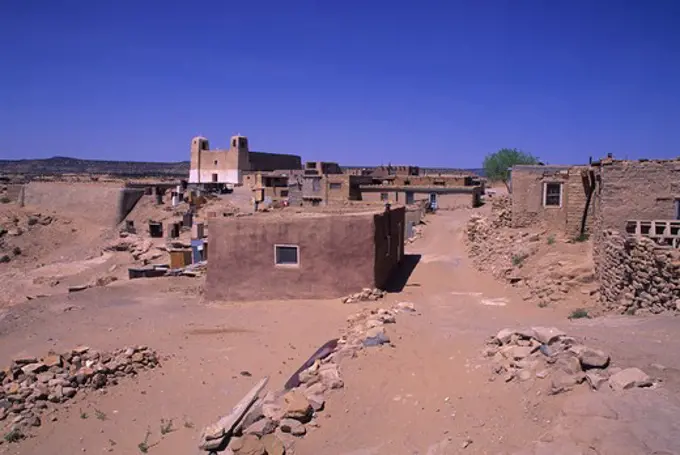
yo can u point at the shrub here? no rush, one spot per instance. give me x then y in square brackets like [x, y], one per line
[518, 259]
[5, 200]
[551, 239]
[579, 313]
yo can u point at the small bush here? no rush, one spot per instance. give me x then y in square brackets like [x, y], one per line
[99, 414]
[166, 426]
[5, 258]
[16, 251]
[5, 200]
[518, 259]
[579, 313]
[551, 239]
[32, 221]
[542, 304]
[14, 436]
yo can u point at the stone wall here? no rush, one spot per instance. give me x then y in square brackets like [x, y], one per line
[636, 275]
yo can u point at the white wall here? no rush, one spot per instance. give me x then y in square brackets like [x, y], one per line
[232, 176]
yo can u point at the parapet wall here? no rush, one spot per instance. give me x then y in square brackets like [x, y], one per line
[636, 275]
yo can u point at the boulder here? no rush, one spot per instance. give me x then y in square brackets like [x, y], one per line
[273, 445]
[569, 364]
[34, 368]
[547, 335]
[504, 336]
[297, 407]
[595, 379]
[330, 376]
[593, 358]
[247, 445]
[293, 427]
[629, 378]
[52, 360]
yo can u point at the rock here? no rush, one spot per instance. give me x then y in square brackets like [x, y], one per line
[330, 376]
[69, 392]
[34, 368]
[52, 360]
[98, 380]
[33, 421]
[376, 336]
[252, 415]
[45, 377]
[213, 432]
[569, 364]
[297, 407]
[406, 307]
[80, 350]
[505, 335]
[273, 445]
[546, 335]
[520, 352]
[261, 427]
[593, 358]
[247, 445]
[563, 382]
[12, 388]
[24, 360]
[273, 411]
[595, 379]
[293, 427]
[629, 378]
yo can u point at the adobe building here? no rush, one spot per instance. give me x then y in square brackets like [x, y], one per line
[228, 167]
[303, 256]
[552, 196]
[644, 190]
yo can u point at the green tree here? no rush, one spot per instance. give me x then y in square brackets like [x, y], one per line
[497, 165]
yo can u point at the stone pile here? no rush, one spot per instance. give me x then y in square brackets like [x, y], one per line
[546, 353]
[141, 248]
[636, 275]
[366, 295]
[32, 387]
[272, 423]
[501, 208]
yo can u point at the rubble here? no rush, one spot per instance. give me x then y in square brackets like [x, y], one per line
[32, 387]
[366, 295]
[548, 353]
[269, 424]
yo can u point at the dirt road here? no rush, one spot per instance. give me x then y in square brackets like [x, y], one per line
[429, 394]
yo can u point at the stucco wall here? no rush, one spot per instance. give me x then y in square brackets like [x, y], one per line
[262, 161]
[336, 255]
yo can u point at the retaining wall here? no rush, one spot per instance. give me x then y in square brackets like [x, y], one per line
[636, 275]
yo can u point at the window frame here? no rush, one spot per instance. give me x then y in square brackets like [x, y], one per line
[545, 195]
[287, 245]
[334, 185]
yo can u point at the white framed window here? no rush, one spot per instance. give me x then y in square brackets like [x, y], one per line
[552, 194]
[287, 255]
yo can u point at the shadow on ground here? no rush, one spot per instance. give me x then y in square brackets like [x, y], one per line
[400, 276]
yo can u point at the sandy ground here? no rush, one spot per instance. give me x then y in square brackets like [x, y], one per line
[428, 394]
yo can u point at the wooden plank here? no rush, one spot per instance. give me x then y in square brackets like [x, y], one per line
[214, 435]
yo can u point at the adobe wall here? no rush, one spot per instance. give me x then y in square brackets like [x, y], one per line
[527, 198]
[95, 202]
[636, 190]
[389, 243]
[636, 275]
[336, 254]
[224, 163]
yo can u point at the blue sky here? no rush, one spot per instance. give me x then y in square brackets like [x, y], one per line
[434, 83]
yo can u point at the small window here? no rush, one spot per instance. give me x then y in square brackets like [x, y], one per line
[284, 193]
[335, 185]
[286, 255]
[215, 163]
[552, 196]
[383, 196]
[315, 185]
[233, 143]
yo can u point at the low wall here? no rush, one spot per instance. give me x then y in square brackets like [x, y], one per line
[636, 275]
[101, 203]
